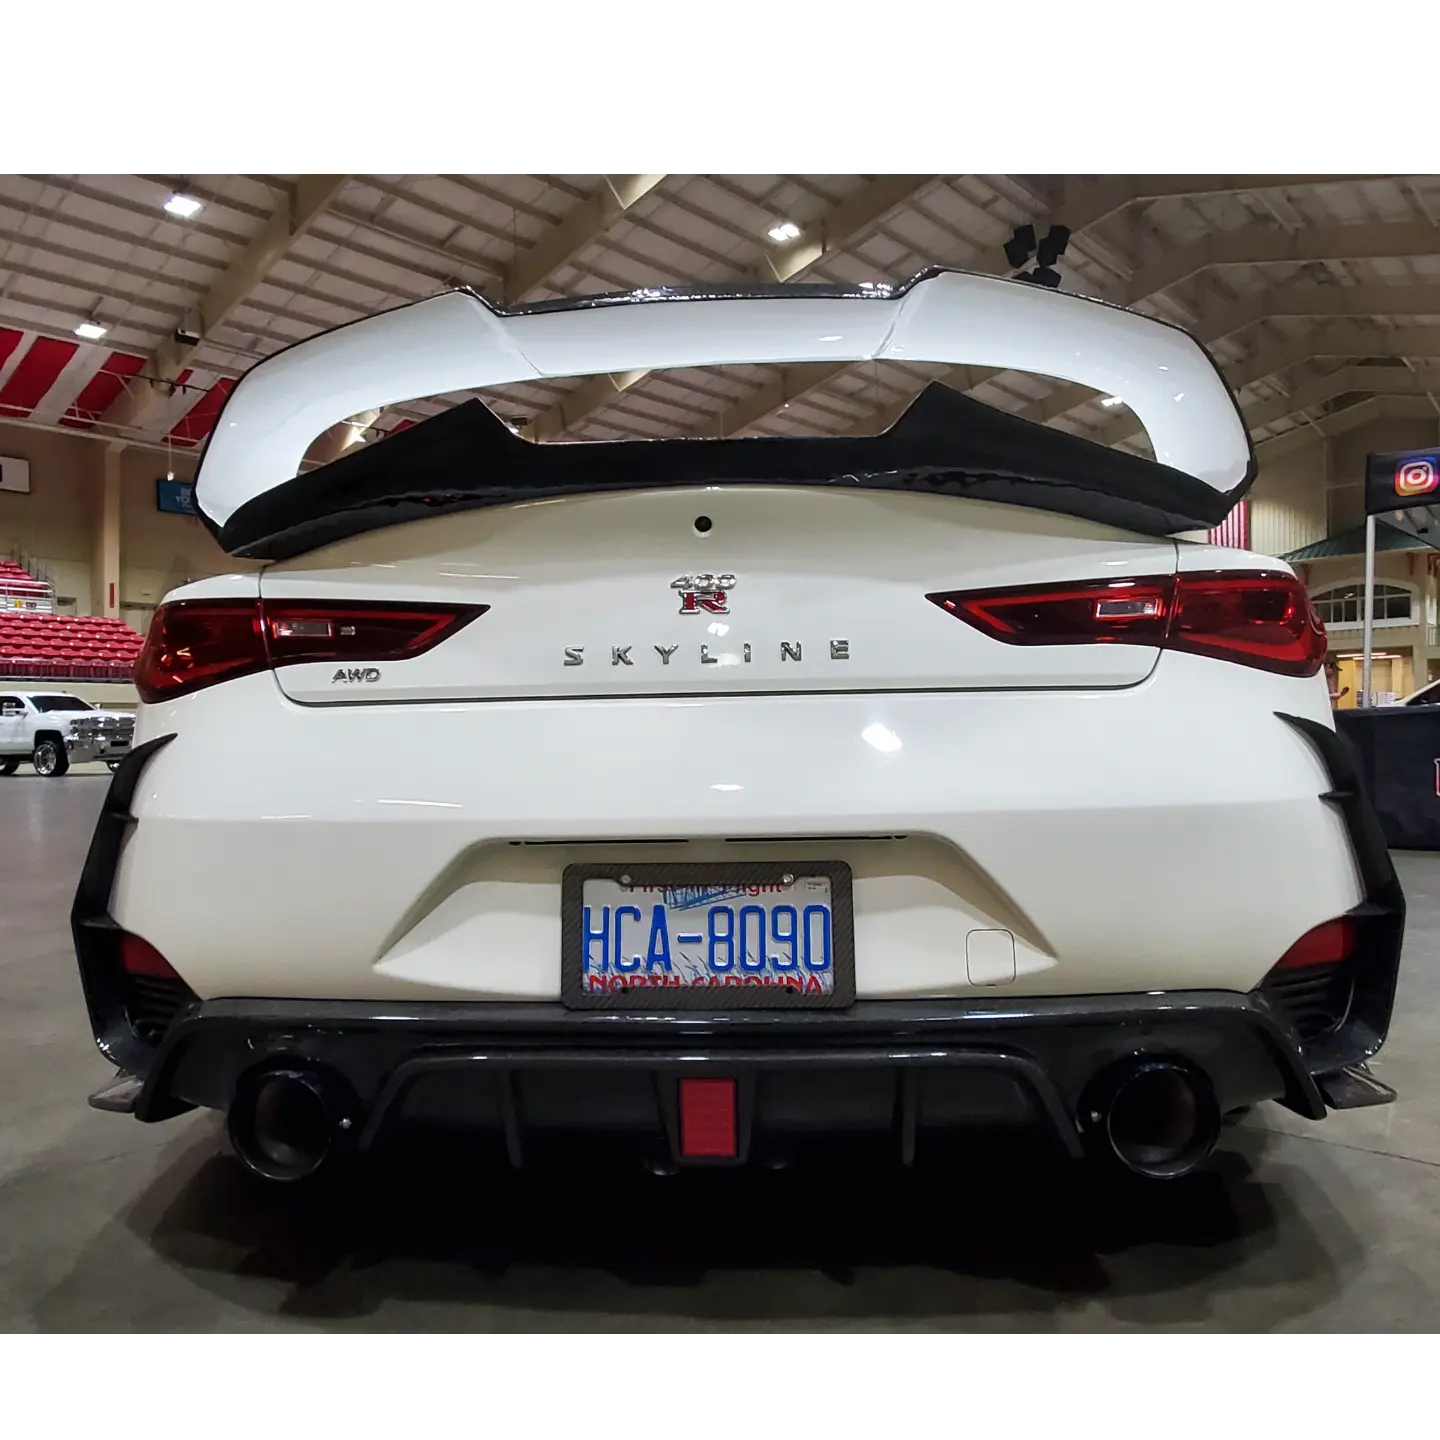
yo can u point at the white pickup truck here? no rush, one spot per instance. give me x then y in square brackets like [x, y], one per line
[53, 730]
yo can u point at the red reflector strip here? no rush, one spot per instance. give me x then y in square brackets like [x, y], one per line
[140, 957]
[707, 1120]
[1326, 944]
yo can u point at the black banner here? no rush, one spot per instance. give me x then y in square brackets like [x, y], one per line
[1399, 753]
[1401, 479]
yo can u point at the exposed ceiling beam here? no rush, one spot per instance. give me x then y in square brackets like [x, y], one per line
[331, 444]
[1326, 427]
[1340, 340]
[1092, 201]
[839, 227]
[1349, 379]
[1302, 300]
[1254, 246]
[1316, 302]
[292, 217]
[858, 212]
[580, 228]
[958, 377]
[1084, 204]
[789, 383]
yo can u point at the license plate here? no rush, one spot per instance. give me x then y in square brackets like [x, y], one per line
[659, 937]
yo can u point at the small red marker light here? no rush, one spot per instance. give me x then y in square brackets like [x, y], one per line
[140, 957]
[1326, 944]
[707, 1120]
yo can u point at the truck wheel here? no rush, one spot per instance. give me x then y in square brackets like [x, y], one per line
[9, 765]
[50, 759]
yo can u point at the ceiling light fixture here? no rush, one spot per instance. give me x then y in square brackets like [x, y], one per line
[90, 330]
[783, 230]
[183, 207]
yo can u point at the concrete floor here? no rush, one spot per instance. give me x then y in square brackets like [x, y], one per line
[106, 1224]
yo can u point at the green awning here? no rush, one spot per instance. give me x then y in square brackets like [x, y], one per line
[1352, 542]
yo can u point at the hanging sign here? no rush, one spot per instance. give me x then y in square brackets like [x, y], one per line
[1401, 479]
[175, 497]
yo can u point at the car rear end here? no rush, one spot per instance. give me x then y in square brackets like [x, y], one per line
[722, 817]
[1071, 790]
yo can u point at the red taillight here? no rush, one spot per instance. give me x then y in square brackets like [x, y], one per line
[1093, 612]
[1261, 620]
[1253, 618]
[1326, 944]
[297, 631]
[140, 957]
[195, 643]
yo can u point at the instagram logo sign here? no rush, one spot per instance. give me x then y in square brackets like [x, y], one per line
[1417, 477]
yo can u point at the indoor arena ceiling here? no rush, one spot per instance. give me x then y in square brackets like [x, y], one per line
[1319, 295]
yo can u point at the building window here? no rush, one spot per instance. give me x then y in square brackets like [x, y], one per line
[1345, 605]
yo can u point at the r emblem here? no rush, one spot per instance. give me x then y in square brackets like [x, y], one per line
[704, 594]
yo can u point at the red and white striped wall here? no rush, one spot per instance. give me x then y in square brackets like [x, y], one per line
[72, 383]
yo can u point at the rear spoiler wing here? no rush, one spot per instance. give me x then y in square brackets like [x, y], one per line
[457, 341]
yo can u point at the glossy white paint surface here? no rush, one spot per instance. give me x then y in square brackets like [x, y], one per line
[1164, 835]
[454, 342]
[839, 576]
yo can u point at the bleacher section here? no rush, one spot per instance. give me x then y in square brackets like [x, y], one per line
[67, 647]
[21, 593]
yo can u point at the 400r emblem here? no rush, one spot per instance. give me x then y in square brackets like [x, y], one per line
[704, 594]
[367, 676]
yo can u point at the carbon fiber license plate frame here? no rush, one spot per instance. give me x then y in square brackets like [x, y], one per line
[654, 988]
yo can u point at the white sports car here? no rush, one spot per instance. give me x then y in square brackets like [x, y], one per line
[722, 795]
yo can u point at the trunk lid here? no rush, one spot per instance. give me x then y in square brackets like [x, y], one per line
[722, 590]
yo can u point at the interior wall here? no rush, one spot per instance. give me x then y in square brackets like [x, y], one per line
[1287, 501]
[160, 551]
[53, 528]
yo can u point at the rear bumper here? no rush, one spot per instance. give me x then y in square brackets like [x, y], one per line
[1167, 836]
[906, 1069]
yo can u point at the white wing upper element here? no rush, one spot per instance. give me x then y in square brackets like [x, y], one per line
[454, 341]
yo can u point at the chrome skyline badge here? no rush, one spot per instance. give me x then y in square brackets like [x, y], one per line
[704, 594]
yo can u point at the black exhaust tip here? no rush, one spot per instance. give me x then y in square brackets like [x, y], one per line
[286, 1123]
[1157, 1118]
